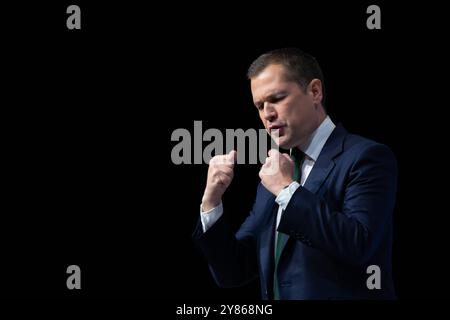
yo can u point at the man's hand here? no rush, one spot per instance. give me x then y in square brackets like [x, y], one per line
[277, 171]
[220, 175]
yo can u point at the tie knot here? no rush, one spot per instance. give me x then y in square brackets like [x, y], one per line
[297, 155]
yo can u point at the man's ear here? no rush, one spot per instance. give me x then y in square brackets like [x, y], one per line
[315, 89]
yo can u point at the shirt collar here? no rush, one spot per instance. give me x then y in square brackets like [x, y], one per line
[316, 141]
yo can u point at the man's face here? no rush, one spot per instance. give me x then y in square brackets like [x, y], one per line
[284, 106]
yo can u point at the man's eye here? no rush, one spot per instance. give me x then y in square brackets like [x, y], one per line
[276, 99]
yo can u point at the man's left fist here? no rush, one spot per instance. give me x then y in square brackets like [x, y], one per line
[277, 171]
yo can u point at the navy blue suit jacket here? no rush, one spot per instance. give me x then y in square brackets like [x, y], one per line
[338, 223]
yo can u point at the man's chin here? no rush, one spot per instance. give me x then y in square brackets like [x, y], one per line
[283, 143]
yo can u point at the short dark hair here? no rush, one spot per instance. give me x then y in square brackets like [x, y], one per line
[299, 66]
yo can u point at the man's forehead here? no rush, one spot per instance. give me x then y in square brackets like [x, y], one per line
[261, 90]
[271, 73]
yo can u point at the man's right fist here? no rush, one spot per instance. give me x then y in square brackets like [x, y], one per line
[220, 175]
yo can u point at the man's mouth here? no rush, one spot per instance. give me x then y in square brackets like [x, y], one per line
[276, 128]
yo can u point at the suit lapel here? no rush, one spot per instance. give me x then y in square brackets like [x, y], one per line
[325, 162]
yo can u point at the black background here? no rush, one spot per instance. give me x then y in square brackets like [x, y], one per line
[88, 116]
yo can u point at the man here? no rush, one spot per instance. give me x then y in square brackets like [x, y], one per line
[318, 224]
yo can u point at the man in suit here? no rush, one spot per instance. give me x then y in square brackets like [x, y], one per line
[318, 224]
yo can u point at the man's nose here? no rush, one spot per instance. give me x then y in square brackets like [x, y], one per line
[269, 112]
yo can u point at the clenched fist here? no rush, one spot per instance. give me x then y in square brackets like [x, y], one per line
[277, 171]
[220, 175]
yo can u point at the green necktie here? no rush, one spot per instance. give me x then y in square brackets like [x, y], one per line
[297, 156]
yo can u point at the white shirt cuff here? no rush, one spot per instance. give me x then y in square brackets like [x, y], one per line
[210, 217]
[285, 195]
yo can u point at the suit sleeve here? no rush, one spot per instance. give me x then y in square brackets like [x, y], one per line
[353, 234]
[231, 257]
